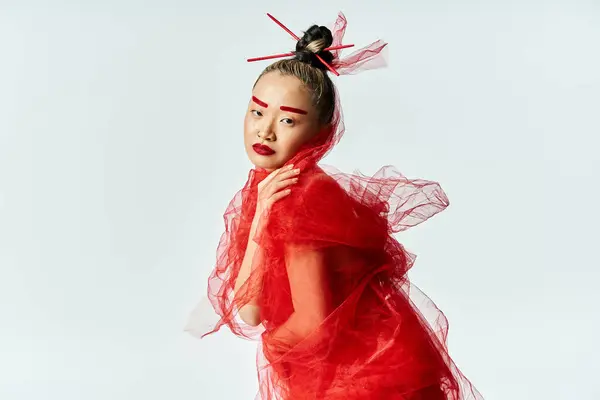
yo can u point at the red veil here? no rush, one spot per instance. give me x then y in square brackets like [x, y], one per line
[382, 338]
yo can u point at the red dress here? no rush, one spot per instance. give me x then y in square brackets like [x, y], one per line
[382, 338]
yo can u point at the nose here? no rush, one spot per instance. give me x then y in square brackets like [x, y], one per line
[266, 131]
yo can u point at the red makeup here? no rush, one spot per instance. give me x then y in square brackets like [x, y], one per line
[259, 102]
[282, 108]
[292, 109]
[263, 150]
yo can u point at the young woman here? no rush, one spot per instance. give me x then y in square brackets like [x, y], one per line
[308, 260]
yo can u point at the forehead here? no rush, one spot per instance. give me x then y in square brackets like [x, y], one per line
[282, 90]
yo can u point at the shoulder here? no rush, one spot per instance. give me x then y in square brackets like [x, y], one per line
[319, 197]
[317, 182]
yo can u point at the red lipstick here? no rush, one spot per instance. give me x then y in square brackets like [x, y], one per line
[263, 150]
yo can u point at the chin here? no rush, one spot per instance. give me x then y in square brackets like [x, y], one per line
[268, 163]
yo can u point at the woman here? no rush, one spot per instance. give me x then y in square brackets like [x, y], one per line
[308, 259]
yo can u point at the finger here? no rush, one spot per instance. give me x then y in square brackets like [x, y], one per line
[268, 179]
[276, 186]
[275, 173]
[288, 174]
[279, 195]
[275, 176]
[283, 184]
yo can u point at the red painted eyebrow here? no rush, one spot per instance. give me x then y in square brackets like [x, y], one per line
[294, 110]
[259, 102]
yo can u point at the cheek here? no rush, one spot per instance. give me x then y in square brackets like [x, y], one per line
[294, 141]
[248, 127]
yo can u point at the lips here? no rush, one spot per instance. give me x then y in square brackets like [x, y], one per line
[263, 150]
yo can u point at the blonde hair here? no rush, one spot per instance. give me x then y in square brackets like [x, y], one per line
[315, 80]
[311, 71]
[316, 45]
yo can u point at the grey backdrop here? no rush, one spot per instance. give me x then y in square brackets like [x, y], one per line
[121, 144]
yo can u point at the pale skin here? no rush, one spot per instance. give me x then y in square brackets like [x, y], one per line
[281, 116]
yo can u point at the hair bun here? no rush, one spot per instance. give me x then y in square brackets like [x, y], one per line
[312, 43]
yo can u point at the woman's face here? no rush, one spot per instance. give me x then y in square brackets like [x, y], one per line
[280, 118]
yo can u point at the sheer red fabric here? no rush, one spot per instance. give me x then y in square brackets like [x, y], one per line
[376, 336]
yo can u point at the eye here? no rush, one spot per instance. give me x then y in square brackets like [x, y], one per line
[288, 121]
[256, 113]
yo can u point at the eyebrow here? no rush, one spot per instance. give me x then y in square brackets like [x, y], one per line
[294, 110]
[259, 102]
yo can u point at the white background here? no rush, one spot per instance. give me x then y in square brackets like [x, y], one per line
[121, 144]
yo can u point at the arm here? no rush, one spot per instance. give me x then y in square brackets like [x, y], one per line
[306, 271]
[249, 312]
[273, 188]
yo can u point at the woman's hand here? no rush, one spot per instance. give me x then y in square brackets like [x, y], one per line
[274, 187]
